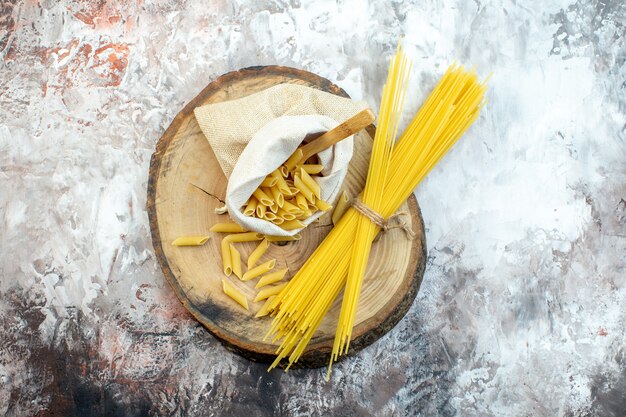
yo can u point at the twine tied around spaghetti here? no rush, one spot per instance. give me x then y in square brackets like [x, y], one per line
[395, 221]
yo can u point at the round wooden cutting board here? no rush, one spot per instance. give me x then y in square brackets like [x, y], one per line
[186, 184]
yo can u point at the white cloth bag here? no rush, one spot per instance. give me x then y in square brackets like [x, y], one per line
[269, 149]
[254, 135]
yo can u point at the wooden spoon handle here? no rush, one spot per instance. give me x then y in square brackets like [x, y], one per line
[348, 128]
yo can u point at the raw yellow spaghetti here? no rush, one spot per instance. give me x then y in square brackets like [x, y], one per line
[390, 112]
[453, 105]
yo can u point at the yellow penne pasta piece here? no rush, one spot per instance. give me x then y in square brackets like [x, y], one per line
[269, 181]
[260, 211]
[284, 171]
[231, 291]
[293, 160]
[292, 224]
[294, 190]
[291, 208]
[190, 241]
[277, 174]
[271, 278]
[322, 205]
[270, 216]
[305, 215]
[277, 196]
[313, 168]
[250, 209]
[243, 237]
[341, 207]
[310, 183]
[301, 202]
[282, 185]
[268, 192]
[258, 252]
[227, 228]
[225, 246]
[259, 270]
[304, 190]
[235, 260]
[269, 291]
[262, 197]
[274, 208]
[297, 236]
[265, 308]
[278, 220]
[226, 257]
[285, 215]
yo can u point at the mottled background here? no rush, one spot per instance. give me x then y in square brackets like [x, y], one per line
[522, 311]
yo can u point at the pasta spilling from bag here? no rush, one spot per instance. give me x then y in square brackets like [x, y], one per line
[396, 168]
[288, 196]
[232, 264]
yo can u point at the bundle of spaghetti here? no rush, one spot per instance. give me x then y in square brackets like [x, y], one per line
[451, 108]
[389, 117]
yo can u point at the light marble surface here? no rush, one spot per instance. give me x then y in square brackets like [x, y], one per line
[522, 309]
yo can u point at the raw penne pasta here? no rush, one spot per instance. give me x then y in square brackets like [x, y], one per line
[304, 189]
[310, 183]
[250, 209]
[294, 159]
[305, 214]
[322, 205]
[297, 236]
[258, 252]
[301, 202]
[231, 291]
[243, 237]
[282, 185]
[271, 278]
[277, 174]
[291, 208]
[289, 193]
[260, 210]
[227, 264]
[265, 308]
[313, 168]
[227, 228]
[269, 291]
[269, 181]
[259, 270]
[190, 241]
[277, 196]
[263, 198]
[292, 224]
[270, 216]
[235, 260]
[225, 247]
[341, 207]
[285, 215]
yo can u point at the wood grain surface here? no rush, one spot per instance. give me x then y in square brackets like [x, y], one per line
[186, 184]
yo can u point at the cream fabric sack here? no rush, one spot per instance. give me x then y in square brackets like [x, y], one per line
[254, 135]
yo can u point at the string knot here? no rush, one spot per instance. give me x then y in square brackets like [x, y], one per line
[395, 221]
